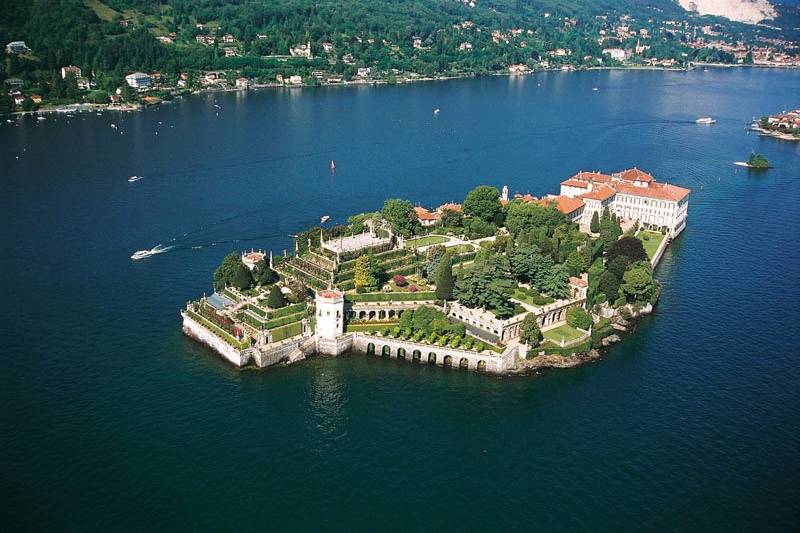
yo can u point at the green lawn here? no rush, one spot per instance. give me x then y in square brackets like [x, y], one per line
[531, 298]
[101, 10]
[426, 241]
[652, 242]
[566, 331]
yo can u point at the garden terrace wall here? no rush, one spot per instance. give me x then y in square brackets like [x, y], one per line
[391, 296]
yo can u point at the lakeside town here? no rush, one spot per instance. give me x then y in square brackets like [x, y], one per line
[250, 61]
[498, 284]
[784, 125]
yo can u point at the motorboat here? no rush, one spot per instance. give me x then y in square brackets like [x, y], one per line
[141, 254]
[705, 120]
[134, 178]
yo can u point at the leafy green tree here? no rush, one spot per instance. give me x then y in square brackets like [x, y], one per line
[608, 285]
[275, 299]
[477, 228]
[232, 273]
[595, 224]
[483, 202]
[488, 284]
[444, 278]
[577, 317]
[451, 218]
[407, 319]
[529, 331]
[630, 247]
[639, 286]
[618, 265]
[263, 274]
[556, 282]
[530, 216]
[529, 265]
[366, 273]
[401, 216]
[577, 262]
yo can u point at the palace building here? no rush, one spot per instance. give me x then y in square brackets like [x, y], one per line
[633, 195]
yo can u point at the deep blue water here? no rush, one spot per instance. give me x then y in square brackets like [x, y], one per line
[111, 419]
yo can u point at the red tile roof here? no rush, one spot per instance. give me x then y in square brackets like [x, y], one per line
[572, 182]
[634, 174]
[600, 192]
[331, 294]
[424, 214]
[525, 197]
[658, 191]
[449, 207]
[565, 204]
[578, 282]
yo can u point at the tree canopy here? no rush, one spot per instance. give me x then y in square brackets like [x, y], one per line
[483, 202]
[232, 273]
[630, 247]
[401, 216]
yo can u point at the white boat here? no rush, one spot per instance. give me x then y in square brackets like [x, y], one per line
[141, 254]
[595, 89]
[436, 111]
[324, 219]
[134, 178]
[705, 120]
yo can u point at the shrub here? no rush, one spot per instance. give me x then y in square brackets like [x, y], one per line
[577, 317]
[275, 299]
[442, 340]
[412, 288]
[400, 280]
[455, 341]
[466, 343]
[619, 302]
[600, 298]
[478, 346]
[396, 331]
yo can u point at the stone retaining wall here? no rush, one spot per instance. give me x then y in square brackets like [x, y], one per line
[201, 334]
[486, 361]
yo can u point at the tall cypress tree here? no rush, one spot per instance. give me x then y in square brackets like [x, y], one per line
[444, 278]
[595, 225]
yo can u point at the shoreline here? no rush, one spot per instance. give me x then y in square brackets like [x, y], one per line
[78, 107]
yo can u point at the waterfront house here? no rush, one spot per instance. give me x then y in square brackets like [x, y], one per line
[617, 54]
[138, 80]
[242, 83]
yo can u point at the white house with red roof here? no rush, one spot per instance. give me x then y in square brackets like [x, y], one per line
[633, 195]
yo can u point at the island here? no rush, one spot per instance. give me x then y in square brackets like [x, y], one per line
[755, 161]
[496, 284]
[784, 126]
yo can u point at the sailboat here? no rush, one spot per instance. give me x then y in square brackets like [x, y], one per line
[333, 166]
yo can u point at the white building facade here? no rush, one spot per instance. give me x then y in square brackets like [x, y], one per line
[633, 195]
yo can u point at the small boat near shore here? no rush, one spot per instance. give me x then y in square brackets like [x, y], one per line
[705, 120]
[324, 219]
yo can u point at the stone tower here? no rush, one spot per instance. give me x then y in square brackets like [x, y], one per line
[504, 196]
[330, 314]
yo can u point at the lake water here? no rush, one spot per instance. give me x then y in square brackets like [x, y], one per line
[112, 419]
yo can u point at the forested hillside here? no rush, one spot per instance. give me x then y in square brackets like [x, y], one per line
[450, 37]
